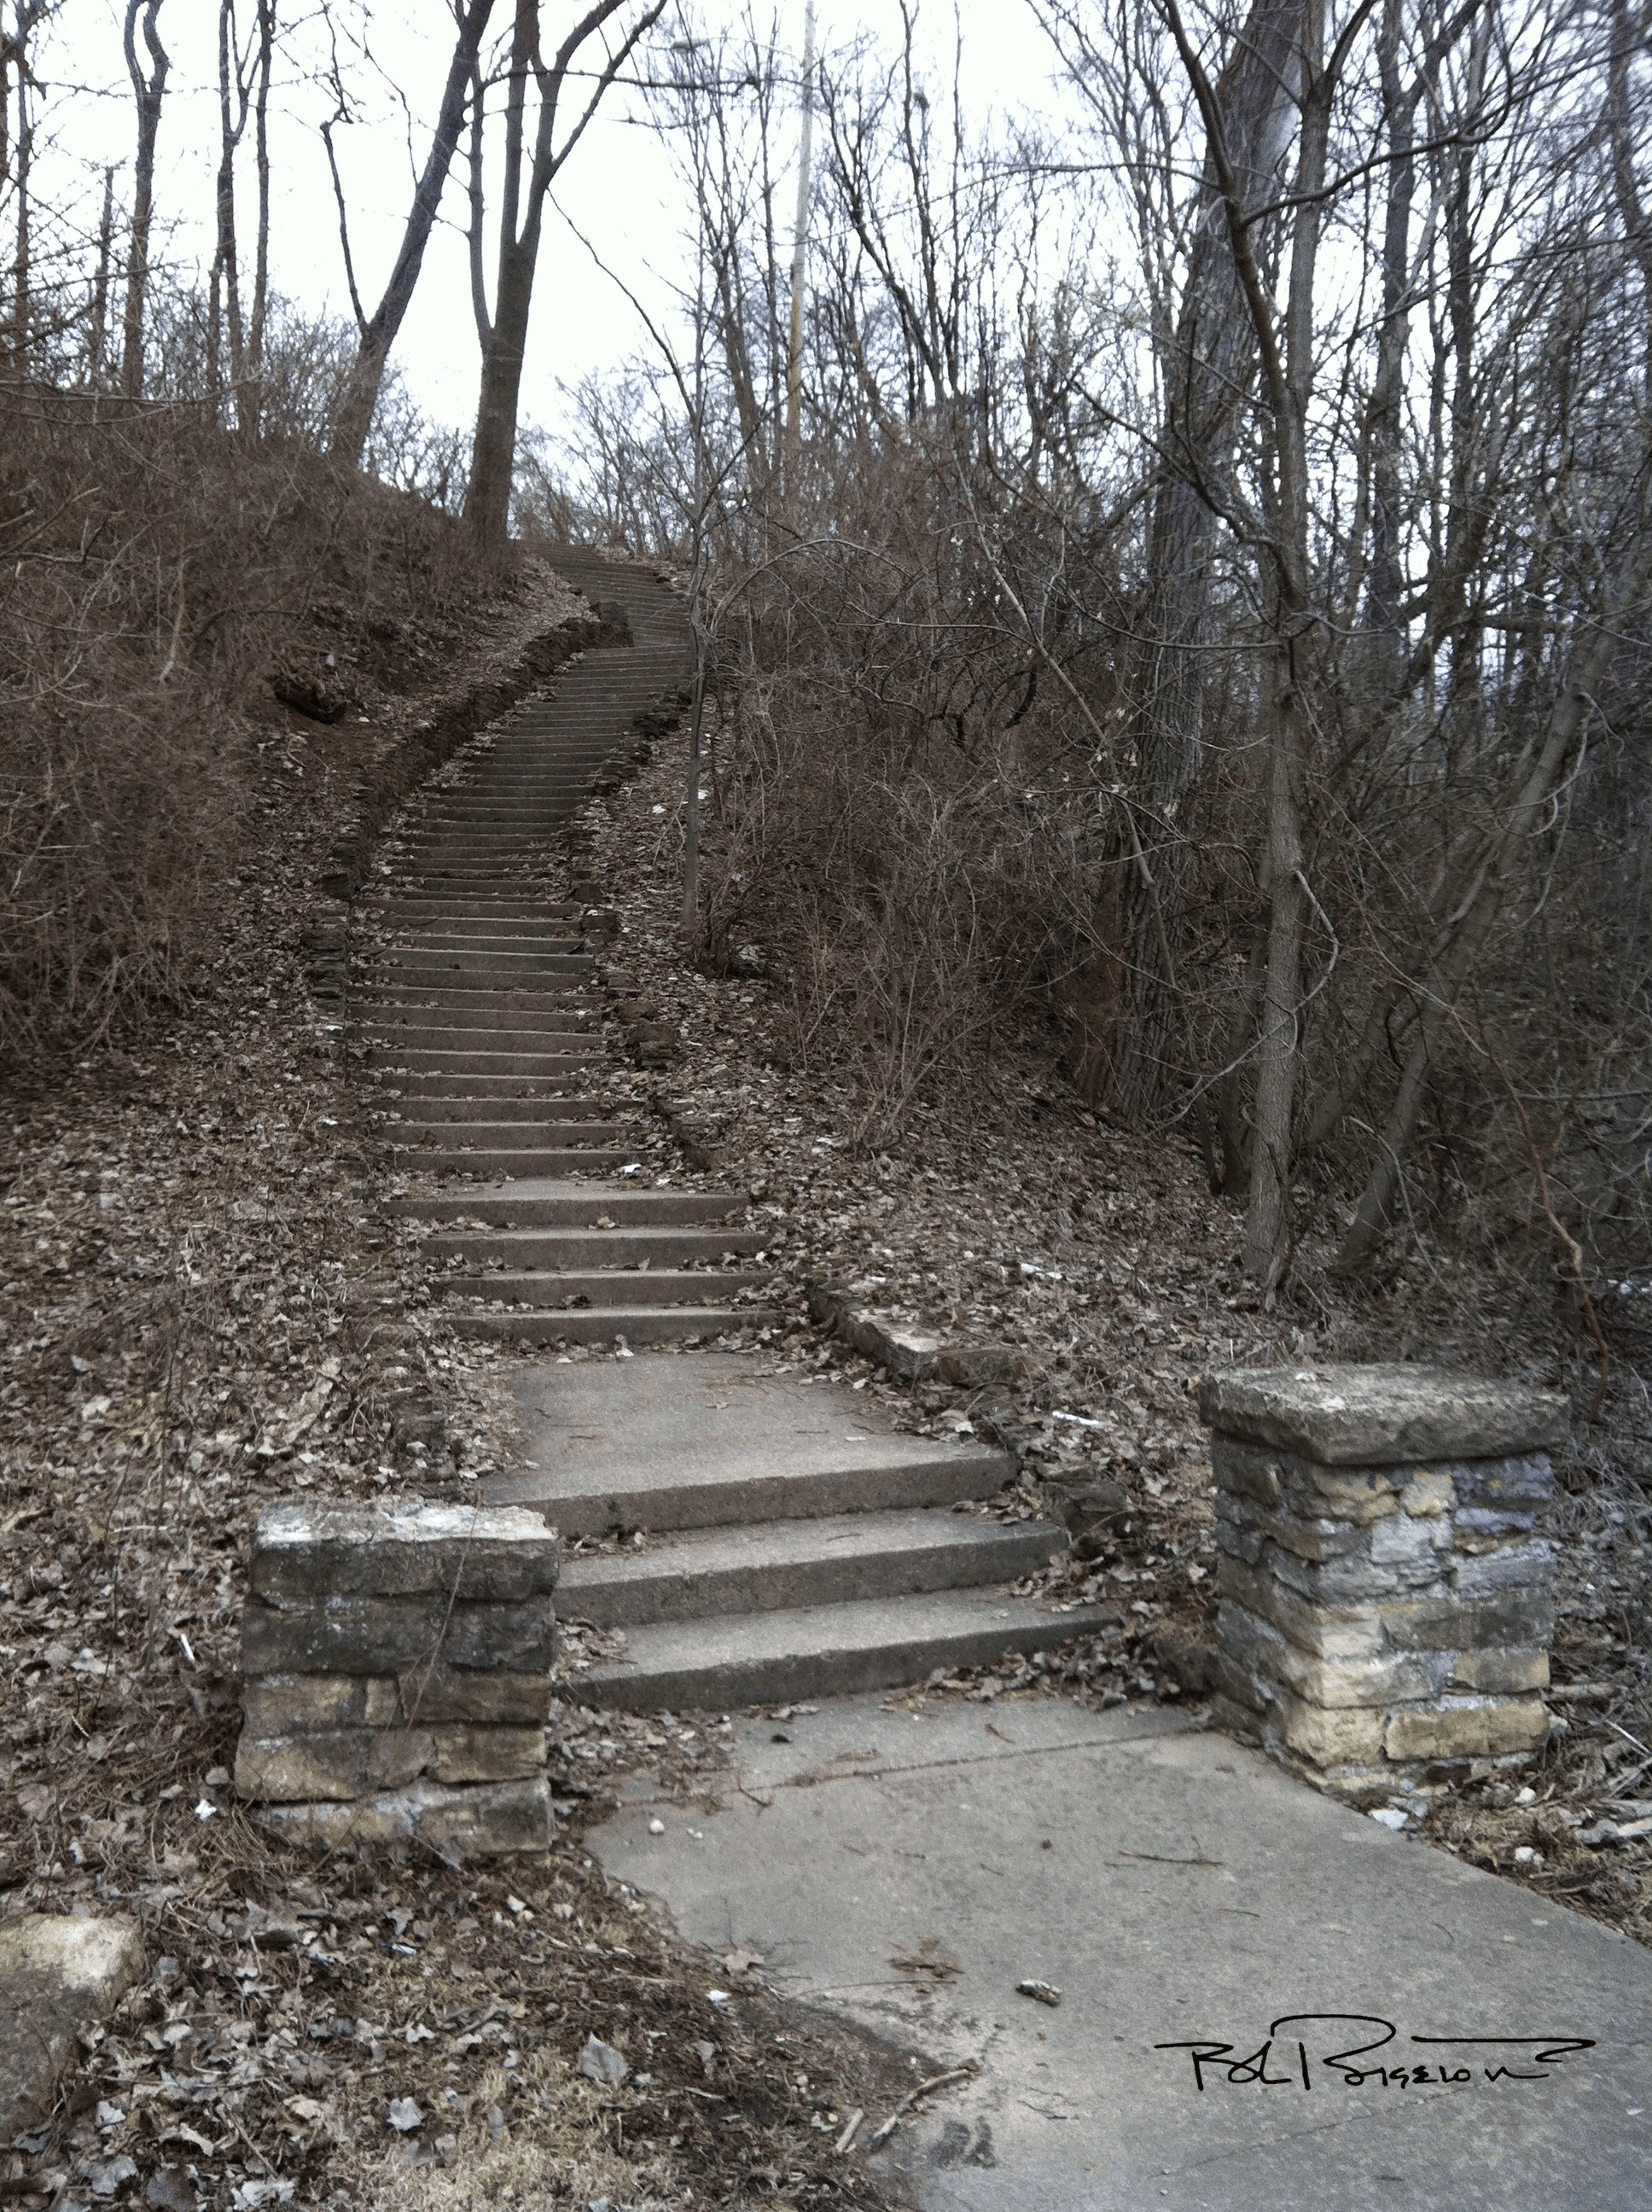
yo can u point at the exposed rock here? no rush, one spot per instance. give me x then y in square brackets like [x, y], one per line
[57, 1976]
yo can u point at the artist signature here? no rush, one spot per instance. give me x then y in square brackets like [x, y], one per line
[1295, 2052]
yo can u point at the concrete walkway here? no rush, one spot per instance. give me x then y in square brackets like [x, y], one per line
[1176, 1889]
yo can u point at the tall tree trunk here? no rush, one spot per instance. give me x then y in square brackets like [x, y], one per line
[149, 90]
[249, 391]
[98, 336]
[379, 331]
[20, 257]
[528, 176]
[493, 456]
[799, 242]
[1206, 377]
[1387, 584]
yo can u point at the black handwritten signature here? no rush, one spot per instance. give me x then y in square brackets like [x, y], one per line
[1525, 2057]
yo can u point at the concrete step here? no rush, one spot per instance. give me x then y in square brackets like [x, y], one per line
[558, 1250]
[512, 1136]
[419, 1083]
[549, 1204]
[639, 1326]
[485, 1021]
[736, 1469]
[418, 1060]
[819, 1650]
[777, 1566]
[456, 958]
[452, 958]
[509, 1111]
[478, 928]
[527, 1033]
[500, 911]
[610, 1286]
[428, 1157]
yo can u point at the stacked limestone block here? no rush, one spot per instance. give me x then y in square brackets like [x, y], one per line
[1386, 1590]
[397, 1673]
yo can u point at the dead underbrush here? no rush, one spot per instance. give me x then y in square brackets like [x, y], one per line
[188, 623]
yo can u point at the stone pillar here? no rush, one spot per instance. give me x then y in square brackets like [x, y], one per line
[397, 1663]
[1385, 1591]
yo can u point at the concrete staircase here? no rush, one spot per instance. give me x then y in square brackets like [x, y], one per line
[483, 1030]
[794, 1544]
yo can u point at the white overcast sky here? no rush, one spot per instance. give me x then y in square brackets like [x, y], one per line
[618, 186]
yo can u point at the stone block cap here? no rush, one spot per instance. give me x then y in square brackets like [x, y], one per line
[498, 1554]
[1378, 1416]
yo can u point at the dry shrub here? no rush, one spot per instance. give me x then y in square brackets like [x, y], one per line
[156, 571]
[900, 813]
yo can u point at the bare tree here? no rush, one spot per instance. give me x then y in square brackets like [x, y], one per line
[97, 334]
[148, 88]
[14, 58]
[529, 172]
[378, 332]
[243, 90]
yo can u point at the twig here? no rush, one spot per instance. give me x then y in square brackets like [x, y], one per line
[850, 2129]
[875, 2142]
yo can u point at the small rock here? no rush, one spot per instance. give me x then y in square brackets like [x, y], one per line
[1044, 1993]
[404, 2116]
[1391, 1816]
[656, 1827]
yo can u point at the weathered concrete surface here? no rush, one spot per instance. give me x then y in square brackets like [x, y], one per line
[702, 1441]
[1190, 1890]
[58, 1975]
[302, 1550]
[1369, 1416]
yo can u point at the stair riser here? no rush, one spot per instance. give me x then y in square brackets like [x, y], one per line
[612, 1602]
[627, 1209]
[640, 1328]
[717, 1687]
[570, 1132]
[464, 1066]
[500, 1113]
[548, 1160]
[941, 1481]
[400, 1024]
[649, 1286]
[599, 1248]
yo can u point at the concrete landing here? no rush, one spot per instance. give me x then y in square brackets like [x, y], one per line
[1176, 1889]
[701, 1440]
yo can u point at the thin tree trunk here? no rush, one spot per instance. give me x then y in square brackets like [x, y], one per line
[21, 258]
[380, 331]
[249, 394]
[97, 337]
[799, 242]
[148, 92]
